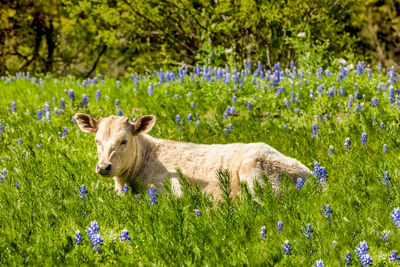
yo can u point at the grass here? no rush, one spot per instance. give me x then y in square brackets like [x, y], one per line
[39, 219]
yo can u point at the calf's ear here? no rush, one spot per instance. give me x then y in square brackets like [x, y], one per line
[86, 122]
[144, 124]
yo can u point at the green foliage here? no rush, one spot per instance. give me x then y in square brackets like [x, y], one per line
[39, 220]
[82, 38]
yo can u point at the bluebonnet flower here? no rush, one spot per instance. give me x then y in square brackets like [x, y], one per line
[124, 236]
[287, 249]
[360, 67]
[120, 113]
[315, 130]
[342, 91]
[152, 195]
[85, 100]
[82, 192]
[178, 119]
[71, 95]
[320, 174]
[311, 94]
[331, 149]
[19, 142]
[332, 91]
[280, 227]
[234, 99]
[197, 123]
[348, 259]
[233, 110]
[327, 212]
[150, 89]
[386, 178]
[396, 217]
[116, 102]
[125, 188]
[347, 143]
[308, 231]
[248, 105]
[296, 110]
[319, 263]
[366, 260]
[190, 117]
[362, 249]
[94, 235]
[98, 95]
[118, 83]
[13, 107]
[374, 102]
[299, 183]
[59, 134]
[78, 238]
[385, 235]
[17, 185]
[230, 128]
[62, 103]
[3, 176]
[192, 105]
[384, 148]
[197, 212]
[65, 131]
[38, 146]
[226, 132]
[287, 102]
[1, 129]
[263, 232]
[364, 138]
[394, 257]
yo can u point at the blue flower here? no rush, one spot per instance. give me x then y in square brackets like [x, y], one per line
[364, 138]
[118, 84]
[386, 178]
[120, 113]
[193, 105]
[197, 212]
[71, 95]
[19, 142]
[347, 143]
[82, 192]
[124, 236]
[287, 102]
[308, 231]
[65, 131]
[13, 107]
[178, 119]
[382, 126]
[362, 254]
[280, 227]
[234, 98]
[197, 123]
[17, 185]
[98, 95]
[78, 238]
[226, 132]
[327, 212]
[321, 175]
[125, 188]
[366, 260]
[331, 150]
[299, 183]
[385, 235]
[374, 102]
[287, 248]
[150, 89]
[248, 105]
[94, 236]
[394, 257]
[315, 130]
[396, 217]
[319, 263]
[348, 259]
[263, 232]
[85, 101]
[190, 117]
[62, 103]
[152, 195]
[230, 128]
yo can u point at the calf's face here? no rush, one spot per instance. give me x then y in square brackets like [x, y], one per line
[116, 140]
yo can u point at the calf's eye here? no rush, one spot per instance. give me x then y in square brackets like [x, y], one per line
[123, 142]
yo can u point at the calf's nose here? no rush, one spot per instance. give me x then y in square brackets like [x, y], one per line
[103, 168]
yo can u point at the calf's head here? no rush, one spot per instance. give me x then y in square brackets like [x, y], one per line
[116, 139]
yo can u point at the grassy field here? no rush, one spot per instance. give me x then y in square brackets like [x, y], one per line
[47, 159]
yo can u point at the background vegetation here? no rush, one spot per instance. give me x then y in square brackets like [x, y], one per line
[82, 38]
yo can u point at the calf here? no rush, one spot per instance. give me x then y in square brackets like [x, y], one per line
[125, 152]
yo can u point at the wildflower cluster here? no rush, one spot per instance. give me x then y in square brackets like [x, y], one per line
[94, 235]
[362, 254]
[287, 249]
[82, 192]
[320, 174]
[3, 176]
[308, 231]
[153, 195]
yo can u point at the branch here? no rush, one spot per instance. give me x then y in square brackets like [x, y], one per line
[97, 61]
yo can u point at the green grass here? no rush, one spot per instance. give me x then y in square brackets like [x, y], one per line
[38, 220]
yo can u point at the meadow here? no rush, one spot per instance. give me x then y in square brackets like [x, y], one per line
[341, 121]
